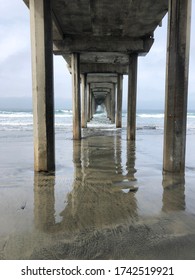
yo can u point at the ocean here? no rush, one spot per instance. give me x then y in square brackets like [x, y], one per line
[146, 120]
[107, 199]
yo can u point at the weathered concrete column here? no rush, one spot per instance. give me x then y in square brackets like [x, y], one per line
[42, 83]
[119, 101]
[84, 100]
[89, 103]
[75, 60]
[109, 105]
[132, 96]
[106, 105]
[176, 85]
[113, 103]
[92, 107]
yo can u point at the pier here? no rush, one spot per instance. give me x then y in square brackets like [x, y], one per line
[101, 41]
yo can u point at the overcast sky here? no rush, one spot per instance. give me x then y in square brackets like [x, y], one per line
[15, 63]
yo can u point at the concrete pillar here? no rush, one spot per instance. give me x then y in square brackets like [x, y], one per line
[109, 105]
[42, 82]
[96, 105]
[119, 101]
[89, 103]
[75, 60]
[92, 106]
[106, 105]
[91, 97]
[84, 100]
[176, 85]
[132, 95]
[113, 103]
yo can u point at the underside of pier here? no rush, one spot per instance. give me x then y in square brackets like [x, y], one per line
[101, 41]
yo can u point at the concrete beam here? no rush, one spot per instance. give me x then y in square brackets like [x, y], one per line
[102, 44]
[42, 80]
[100, 92]
[177, 85]
[103, 68]
[100, 89]
[98, 68]
[57, 30]
[99, 75]
[101, 85]
[101, 79]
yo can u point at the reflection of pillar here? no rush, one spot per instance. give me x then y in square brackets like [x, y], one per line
[132, 95]
[77, 158]
[173, 193]
[44, 201]
[177, 85]
[84, 100]
[42, 79]
[118, 156]
[97, 200]
[84, 157]
[75, 60]
[130, 163]
[119, 101]
[77, 173]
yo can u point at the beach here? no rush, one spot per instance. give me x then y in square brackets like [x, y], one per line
[107, 199]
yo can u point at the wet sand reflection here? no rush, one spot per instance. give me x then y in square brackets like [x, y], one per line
[101, 195]
[101, 219]
[173, 193]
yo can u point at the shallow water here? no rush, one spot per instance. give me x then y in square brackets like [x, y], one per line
[107, 199]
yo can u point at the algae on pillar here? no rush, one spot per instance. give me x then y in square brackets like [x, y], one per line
[177, 85]
[42, 82]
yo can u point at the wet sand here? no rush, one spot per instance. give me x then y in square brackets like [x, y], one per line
[107, 199]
